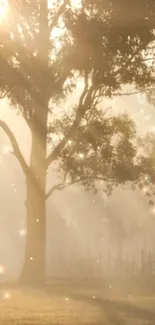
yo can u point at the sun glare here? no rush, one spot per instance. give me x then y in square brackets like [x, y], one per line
[3, 9]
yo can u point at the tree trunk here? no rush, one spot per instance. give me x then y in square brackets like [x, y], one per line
[34, 267]
[33, 272]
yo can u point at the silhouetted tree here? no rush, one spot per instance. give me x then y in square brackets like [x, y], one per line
[46, 48]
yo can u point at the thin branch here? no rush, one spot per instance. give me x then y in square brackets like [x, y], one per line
[134, 92]
[85, 90]
[27, 119]
[16, 150]
[106, 110]
[59, 187]
[148, 59]
[3, 95]
[83, 107]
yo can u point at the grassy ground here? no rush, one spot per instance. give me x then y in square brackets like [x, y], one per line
[75, 305]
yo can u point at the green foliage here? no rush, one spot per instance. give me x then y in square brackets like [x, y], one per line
[147, 179]
[150, 95]
[103, 43]
[110, 39]
[106, 39]
[102, 149]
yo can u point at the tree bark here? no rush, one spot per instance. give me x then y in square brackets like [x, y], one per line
[34, 268]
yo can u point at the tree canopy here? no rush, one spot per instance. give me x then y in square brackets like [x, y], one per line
[103, 43]
[46, 49]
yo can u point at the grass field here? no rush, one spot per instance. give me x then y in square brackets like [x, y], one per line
[74, 305]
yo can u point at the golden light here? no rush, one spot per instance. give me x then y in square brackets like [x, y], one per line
[22, 232]
[81, 155]
[6, 150]
[7, 295]
[3, 9]
[1, 269]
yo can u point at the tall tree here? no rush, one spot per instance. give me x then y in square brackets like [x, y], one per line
[46, 48]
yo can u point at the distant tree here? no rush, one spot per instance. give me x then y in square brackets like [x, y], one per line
[147, 182]
[46, 49]
[150, 95]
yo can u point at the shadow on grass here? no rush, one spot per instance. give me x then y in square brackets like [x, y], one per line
[117, 312]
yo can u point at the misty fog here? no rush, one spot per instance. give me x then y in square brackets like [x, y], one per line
[83, 230]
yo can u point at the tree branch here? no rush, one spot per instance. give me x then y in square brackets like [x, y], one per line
[16, 150]
[134, 92]
[3, 95]
[58, 187]
[83, 107]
